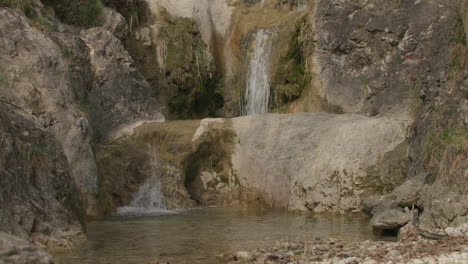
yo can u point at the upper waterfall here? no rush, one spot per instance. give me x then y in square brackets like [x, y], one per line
[257, 91]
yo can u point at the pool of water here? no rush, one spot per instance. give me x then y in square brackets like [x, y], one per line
[199, 235]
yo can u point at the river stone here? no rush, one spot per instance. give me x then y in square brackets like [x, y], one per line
[408, 193]
[14, 250]
[243, 256]
[390, 219]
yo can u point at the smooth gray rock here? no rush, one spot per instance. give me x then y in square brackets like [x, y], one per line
[408, 193]
[243, 256]
[390, 219]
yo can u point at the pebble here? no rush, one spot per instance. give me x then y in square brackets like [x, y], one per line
[393, 254]
[243, 256]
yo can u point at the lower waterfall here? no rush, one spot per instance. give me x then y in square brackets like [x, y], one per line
[149, 199]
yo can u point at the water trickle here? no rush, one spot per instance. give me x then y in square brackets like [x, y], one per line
[302, 5]
[148, 199]
[258, 80]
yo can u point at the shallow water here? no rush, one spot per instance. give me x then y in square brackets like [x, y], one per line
[197, 236]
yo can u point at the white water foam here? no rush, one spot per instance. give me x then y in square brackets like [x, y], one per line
[257, 93]
[302, 5]
[149, 199]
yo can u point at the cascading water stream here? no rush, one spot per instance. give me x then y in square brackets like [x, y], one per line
[149, 198]
[302, 5]
[258, 80]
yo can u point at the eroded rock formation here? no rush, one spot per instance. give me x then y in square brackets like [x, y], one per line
[318, 162]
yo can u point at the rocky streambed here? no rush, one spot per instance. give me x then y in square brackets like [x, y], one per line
[411, 248]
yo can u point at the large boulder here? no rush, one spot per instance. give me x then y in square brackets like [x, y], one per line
[319, 162]
[390, 219]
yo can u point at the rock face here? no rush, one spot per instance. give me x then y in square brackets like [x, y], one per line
[120, 95]
[158, 150]
[71, 91]
[39, 79]
[39, 197]
[179, 66]
[317, 162]
[114, 22]
[392, 211]
[14, 250]
[379, 56]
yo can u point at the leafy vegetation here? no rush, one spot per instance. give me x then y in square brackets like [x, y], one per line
[136, 12]
[83, 13]
[24, 5]
[85, 107]
[435, 142]
[188, 77]
[37, 155]
[290, 79]
[459, 54]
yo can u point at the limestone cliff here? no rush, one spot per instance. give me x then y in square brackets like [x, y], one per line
[39, 197]
[73, 89]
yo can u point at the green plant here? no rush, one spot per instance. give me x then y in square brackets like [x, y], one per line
[290, 79]
[85, 107]
[24, 5]
[435, 142]
[37, 155]
[415, 99]
[136, 12]
[460, 36]
[89, 12]
[83, 13]
[41, 22]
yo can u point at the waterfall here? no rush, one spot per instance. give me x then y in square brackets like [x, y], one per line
[258, 80]
[148, 199]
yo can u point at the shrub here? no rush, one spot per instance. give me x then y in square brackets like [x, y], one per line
[83, 13]
[24, 5]
[136, 12]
